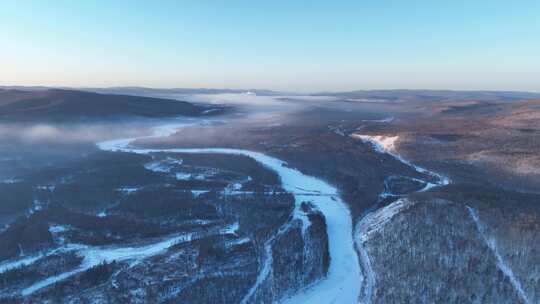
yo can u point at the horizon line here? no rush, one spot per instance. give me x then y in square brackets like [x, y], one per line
[263, 89]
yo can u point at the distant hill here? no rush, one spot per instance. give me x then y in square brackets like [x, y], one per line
[413, 95]
[387, 95]
[142, 91]
[429, 95]
[56, 104]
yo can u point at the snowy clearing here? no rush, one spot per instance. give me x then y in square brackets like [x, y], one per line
[383, 144]
[374, 221]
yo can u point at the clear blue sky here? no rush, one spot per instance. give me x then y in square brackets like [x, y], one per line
[287, 45]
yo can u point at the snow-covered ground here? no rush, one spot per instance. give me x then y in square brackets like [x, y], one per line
[374, 220]
[503, 266]
[383, 144]
[342, 284]
[197, 193]
[93, 256]
[27, 260]
[163, 166]
[368, 224]
[128, 190]
[11, 264]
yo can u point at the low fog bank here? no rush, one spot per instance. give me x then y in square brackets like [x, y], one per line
[249, 102]
[247, 111]
[42, 133]
[26, 148]
[252, 120]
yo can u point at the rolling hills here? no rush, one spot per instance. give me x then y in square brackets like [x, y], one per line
[61, 105]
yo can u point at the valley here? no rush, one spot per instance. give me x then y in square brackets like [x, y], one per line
[288, 199]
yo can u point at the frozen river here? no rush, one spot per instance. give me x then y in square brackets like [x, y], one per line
[342, 284]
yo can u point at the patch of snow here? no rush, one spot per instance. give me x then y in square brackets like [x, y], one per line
[50, 188]
[230, 229]
[183, 176]
[206, 174]
[156, 166]
[232, 188]
[237, 242]
[197, 193]
[163, 166]
[337, 130]
[127, 190]
[383, 144]
[58, 228]
[111, 145]
[37, 205]
[12, 180]
[4, 228]
[199, 222]
[210, 111]
[57, 231]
